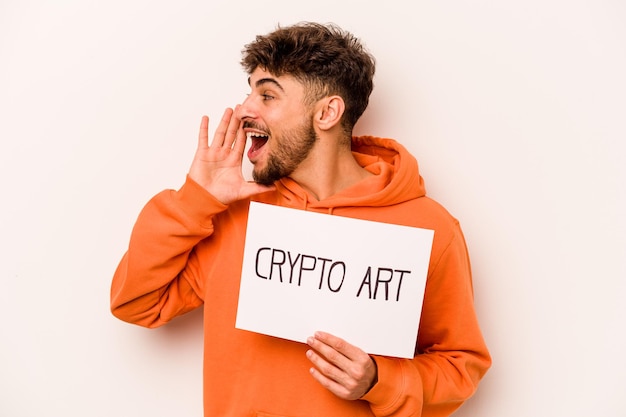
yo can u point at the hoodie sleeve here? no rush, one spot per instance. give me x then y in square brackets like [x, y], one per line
[451, 356]
[157, 278]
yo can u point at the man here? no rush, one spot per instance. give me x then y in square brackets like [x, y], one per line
[309, 83]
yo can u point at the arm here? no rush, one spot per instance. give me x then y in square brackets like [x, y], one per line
[451, 356]
[157, 279]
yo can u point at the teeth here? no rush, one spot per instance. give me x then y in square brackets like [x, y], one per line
[257, 135]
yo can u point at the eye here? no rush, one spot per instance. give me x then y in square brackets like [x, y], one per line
[267, 97]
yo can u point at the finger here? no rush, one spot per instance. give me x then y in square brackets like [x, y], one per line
[325, 367]
[338, 344]
[334, 379]
[331, 385]
[203, 136]
[331, 355]
[240, 143]
[232, 130]
[222, 128]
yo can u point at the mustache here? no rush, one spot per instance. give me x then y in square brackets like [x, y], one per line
[252, 125]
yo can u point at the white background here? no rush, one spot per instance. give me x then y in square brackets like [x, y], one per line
[515, 110]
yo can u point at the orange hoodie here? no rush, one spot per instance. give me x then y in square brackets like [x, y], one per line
[186, 250]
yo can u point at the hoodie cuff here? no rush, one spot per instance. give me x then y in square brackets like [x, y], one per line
[386, 394]
[198, 203]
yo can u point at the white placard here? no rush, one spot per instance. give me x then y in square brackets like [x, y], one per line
[360, 280]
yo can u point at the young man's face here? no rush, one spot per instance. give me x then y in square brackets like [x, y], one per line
[278, 124]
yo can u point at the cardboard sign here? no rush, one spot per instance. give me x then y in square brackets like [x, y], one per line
[360, 280]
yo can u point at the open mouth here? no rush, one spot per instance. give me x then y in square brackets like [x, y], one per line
[257, 142]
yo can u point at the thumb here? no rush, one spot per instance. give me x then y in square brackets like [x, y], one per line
[252, 188]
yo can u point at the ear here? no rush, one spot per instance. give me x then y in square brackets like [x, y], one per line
[329, 112]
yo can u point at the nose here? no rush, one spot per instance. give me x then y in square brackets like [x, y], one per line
[245, 110]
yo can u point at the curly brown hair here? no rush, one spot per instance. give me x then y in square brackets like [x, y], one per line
[325, 58]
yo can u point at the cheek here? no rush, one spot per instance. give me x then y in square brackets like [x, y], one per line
[290, 118]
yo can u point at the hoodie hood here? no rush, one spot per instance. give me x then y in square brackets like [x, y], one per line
[395, 179]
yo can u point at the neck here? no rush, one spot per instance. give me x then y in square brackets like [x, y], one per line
[328, 169]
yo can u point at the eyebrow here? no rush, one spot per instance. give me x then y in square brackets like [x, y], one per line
[262, 81]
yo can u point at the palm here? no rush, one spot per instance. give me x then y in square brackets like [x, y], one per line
[217, 167]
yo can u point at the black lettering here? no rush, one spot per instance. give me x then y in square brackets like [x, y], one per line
[292, 264]
[278, 263]
[400, 282]
[303, 268]
[343, 276]
[256, 267]
[319, 287]
[386, 282]
[367, 280]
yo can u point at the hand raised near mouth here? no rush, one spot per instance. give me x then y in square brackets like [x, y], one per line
[217, 166]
